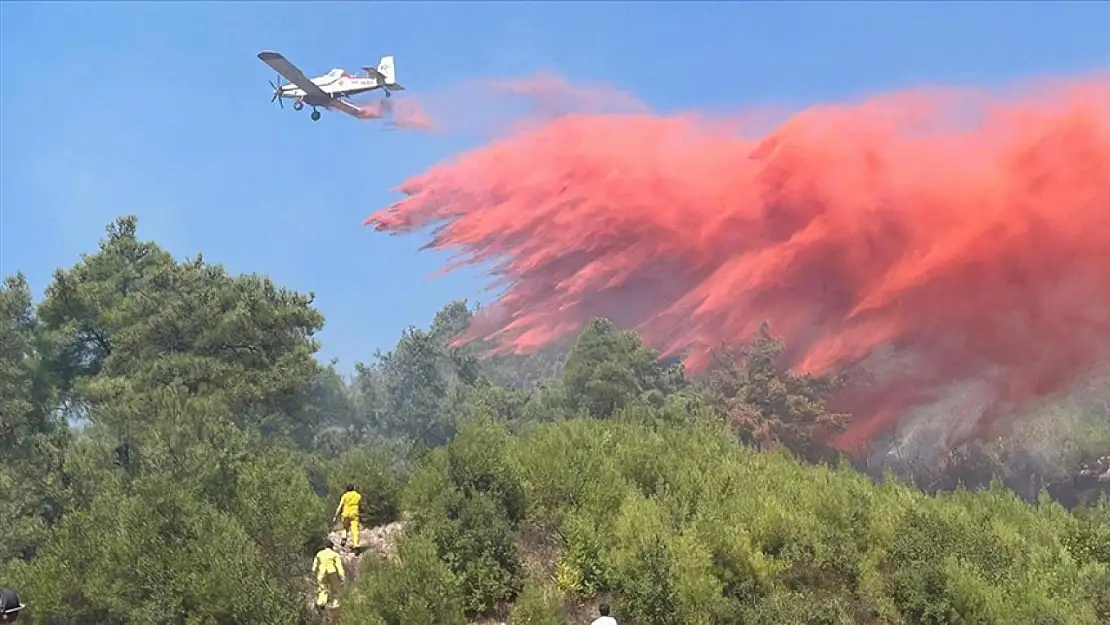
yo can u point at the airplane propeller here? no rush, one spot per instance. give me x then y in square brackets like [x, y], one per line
[277, 94]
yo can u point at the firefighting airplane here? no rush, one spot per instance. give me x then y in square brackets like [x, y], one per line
[331, 90]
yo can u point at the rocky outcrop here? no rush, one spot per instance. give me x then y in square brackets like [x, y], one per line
[381, 540]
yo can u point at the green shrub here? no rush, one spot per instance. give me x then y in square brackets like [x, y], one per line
[662, 575]
[467, 499]
[156, 555]
[584, 565]
[278, 508]
[420, 591]
[679, 524]
[539, 603]
[372, 475]
[567, 469]
[798, 609]
[479, 462]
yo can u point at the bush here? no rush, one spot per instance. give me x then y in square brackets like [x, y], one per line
[662, 574]
[157, 555]
[467, 499]
[682, 525]
[422, 591]
[539, 603]
[372, 475]
[278, 508]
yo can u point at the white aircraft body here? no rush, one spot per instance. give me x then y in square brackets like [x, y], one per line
[331, 90]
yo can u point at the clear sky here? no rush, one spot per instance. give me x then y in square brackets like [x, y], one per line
[162, 110]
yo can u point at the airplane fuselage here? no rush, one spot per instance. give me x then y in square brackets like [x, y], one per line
[342, 85]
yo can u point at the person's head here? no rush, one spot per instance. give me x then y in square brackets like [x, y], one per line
[325, 544]
[350, 487]
[603, 609]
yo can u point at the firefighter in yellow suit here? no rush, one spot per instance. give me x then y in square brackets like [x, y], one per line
[348, 511]
[328, 568]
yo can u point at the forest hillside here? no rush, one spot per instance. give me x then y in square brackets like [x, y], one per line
[173, 451]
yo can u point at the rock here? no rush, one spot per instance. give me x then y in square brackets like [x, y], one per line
[381, 540]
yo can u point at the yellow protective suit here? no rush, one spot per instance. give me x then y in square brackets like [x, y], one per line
[348, 513]
[328, 568]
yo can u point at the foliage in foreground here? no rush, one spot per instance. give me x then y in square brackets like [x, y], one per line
[681, 525]
[172, 451]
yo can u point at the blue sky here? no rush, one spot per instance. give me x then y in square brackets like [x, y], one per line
[162, 110]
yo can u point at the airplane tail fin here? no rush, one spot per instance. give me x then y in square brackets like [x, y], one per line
[386, 73]
[387, 70]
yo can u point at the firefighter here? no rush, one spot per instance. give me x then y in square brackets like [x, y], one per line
[327, 566]
[348, 511]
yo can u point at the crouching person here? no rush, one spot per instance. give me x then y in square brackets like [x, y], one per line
[327, 566]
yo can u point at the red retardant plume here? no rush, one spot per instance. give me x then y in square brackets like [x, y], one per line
[966, 234]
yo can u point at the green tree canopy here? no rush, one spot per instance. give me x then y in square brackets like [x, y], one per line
[172, 451]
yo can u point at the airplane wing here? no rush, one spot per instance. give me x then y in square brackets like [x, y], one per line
[282, 66]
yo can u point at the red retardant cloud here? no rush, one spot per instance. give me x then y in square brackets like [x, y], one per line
[968, 233]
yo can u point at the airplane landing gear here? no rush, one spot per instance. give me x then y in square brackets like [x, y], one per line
[315, 115]
[298, 105]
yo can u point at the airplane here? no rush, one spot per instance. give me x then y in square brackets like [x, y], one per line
[331, 90]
